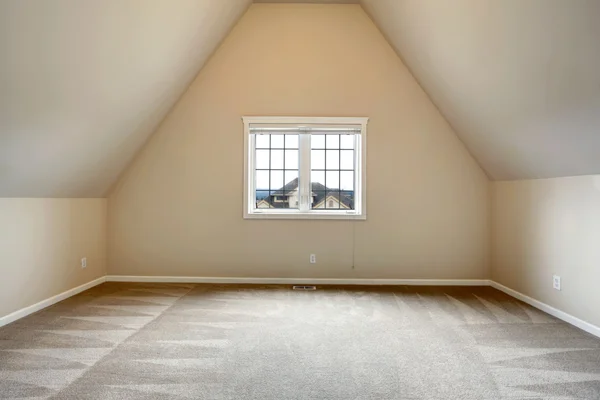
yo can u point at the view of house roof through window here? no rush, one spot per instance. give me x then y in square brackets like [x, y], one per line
[321, 197]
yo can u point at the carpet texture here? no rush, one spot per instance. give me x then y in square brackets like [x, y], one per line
[186, 341]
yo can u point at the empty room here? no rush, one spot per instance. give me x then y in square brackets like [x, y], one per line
[304, 200]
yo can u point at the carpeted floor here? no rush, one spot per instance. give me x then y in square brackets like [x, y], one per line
[184, 341]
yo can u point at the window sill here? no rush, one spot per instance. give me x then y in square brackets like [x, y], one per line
[306, 215]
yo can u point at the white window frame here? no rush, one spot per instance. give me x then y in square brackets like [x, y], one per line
[360, 184]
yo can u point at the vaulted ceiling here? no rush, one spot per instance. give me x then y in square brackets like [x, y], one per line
[84, 84]
[519, 80]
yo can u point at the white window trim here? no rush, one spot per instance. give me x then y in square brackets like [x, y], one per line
[360, 212]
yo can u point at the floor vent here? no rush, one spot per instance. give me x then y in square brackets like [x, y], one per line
[304, 287]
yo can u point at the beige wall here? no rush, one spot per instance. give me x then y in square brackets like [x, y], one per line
[41, 244]
[546, 227]
[177, 210]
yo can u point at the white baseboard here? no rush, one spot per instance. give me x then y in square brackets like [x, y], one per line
[295, 281]
[23, 312]
[568, 318]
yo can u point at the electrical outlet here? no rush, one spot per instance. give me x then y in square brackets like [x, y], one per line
[84, 262]
[313, 258]
[556, 282]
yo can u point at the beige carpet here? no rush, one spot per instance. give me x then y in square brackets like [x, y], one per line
[180, 341]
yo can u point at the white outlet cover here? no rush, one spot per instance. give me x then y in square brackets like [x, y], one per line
[556, 282]
[84, 262]
[313, 258]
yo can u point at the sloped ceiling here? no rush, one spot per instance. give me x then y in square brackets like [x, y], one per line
[84, 83]
[519, 80]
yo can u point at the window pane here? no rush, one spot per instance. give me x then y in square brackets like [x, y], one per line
[276, 159]
[317, 159]
[317, 177]
[292, 201]
[332, 180]
[332, 200]
[290, 195]
[333, 141]
[347, 159]
[291, 141]
[291, 159]
[332, 159]
[347, 180]
[262, 141]
[347, 200]
[262, 159]
[262, 180]
[317, 141]
[276, 180]
[318, 199]
[262, 199]
[347, 141]
[290, 176]
[277, 141]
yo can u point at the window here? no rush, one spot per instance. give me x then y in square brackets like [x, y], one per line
[305, 167]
